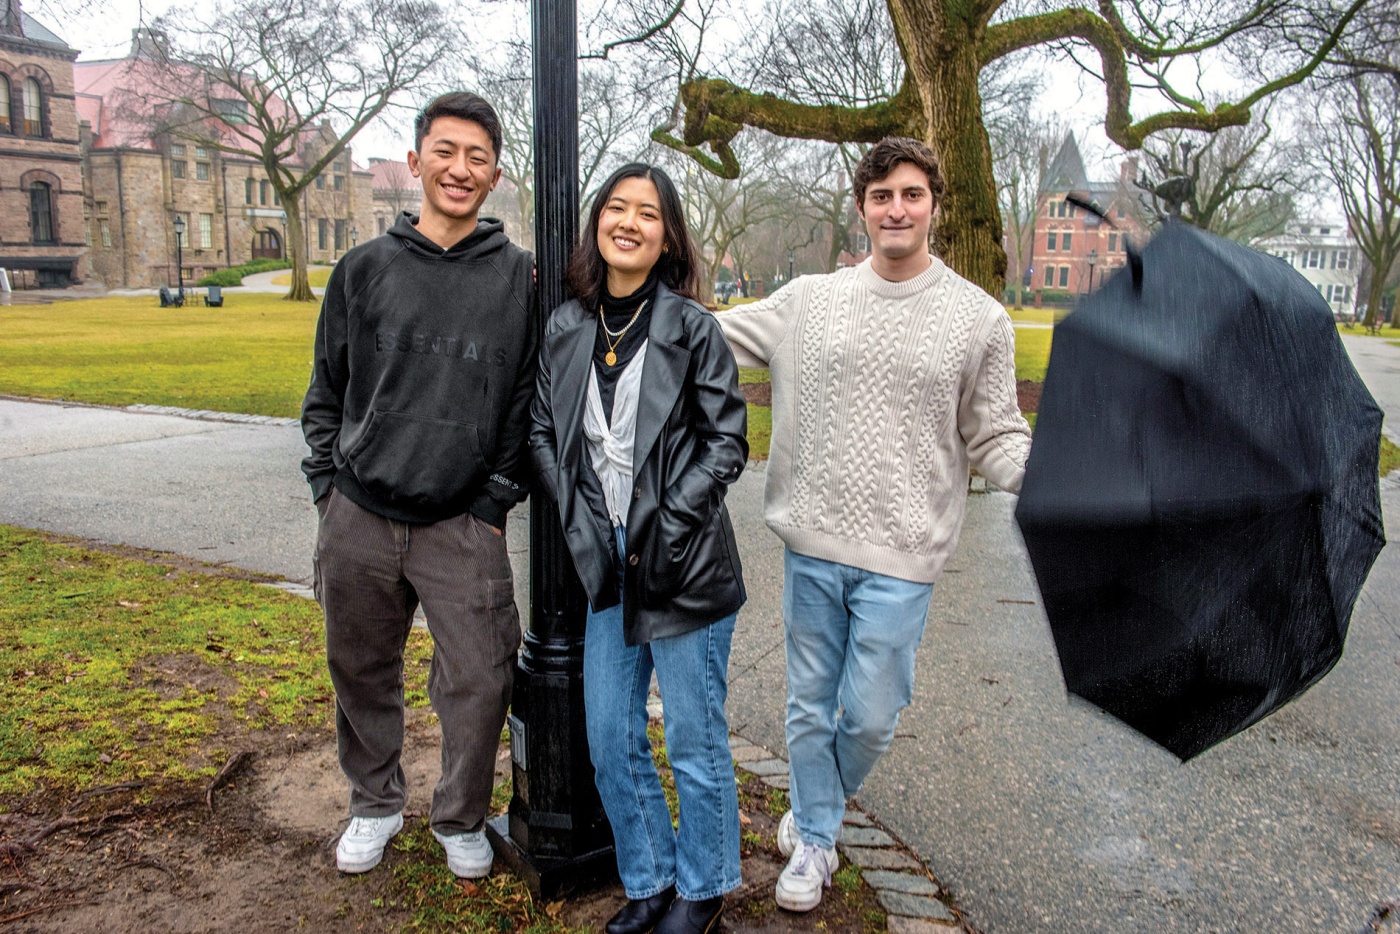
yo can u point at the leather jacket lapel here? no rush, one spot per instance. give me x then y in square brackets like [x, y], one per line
[663, 374]
[569, 388]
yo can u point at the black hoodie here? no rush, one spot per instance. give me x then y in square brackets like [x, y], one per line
[419, 404]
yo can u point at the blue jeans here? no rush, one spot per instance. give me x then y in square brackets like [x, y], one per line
[851, 638]
[702, 857]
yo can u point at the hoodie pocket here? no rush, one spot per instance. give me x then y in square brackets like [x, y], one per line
[416, 459]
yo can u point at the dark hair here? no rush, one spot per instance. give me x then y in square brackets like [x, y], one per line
[678, 268]
[887, 154]
[464, 105]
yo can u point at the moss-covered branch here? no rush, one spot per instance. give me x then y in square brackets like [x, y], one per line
[716, 110]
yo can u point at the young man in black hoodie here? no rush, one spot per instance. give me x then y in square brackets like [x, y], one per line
[417, 418]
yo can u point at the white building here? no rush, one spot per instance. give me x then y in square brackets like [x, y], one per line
[1327, 256]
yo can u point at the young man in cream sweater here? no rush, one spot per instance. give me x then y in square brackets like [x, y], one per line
[889, 379]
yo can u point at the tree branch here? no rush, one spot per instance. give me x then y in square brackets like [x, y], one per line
[643, 36]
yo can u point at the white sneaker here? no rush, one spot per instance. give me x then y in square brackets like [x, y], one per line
[808, 872]
[787, 834]
[469, 855]
[361, 847]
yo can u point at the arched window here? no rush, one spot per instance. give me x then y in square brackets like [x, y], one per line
[5, 126]
[33, 108]
[41, 212]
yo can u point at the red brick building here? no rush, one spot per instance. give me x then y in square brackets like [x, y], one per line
[137, 183]
[41, 186]
[1072, 250]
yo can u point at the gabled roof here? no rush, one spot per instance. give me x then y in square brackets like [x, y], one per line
[1066, 170]
[35, 31]
[110, 93]
[392, 175]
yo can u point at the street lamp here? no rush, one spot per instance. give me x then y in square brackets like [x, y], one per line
[555, 835]
[1093, 258]
[791, 256]
[180, 255]
[354, 236]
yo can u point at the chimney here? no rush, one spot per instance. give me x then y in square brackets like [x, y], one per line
[1128, 171]
[11, 22]
[150, 43]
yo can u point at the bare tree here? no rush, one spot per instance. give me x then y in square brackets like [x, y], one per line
[946, 45]
[612, 125]
[264, 78]
[1357, 141]
[400, 191]
[1241, 181]
[1021, 151]
[720, 211]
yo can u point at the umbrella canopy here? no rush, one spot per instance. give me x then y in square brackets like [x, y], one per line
[1201, 505]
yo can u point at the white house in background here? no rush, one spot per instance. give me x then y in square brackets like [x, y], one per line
[1326, 255]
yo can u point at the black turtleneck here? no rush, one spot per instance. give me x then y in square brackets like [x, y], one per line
[617, 312]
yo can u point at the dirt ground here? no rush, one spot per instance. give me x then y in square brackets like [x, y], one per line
[144, 859]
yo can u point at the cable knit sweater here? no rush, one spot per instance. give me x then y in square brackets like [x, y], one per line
[883, 392]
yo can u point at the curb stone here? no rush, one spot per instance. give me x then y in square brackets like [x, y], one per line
[901, 881]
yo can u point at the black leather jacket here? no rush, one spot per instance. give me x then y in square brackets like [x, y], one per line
[682, 568]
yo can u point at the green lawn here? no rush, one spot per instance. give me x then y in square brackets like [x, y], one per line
[318, 276]
[1037, 315]
[1032, 352]
[253, 355]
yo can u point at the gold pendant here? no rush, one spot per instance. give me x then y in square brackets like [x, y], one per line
[610, 358]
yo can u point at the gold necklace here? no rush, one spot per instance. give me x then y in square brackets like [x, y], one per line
[610, 358]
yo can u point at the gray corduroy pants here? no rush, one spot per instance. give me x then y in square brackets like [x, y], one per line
[371, 574]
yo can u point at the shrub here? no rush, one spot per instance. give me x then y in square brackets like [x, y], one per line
[233, 275]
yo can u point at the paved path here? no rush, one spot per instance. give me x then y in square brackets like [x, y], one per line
[1040, 814]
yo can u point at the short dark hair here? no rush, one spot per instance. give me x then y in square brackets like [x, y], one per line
[464, 105]
[887, 154]
[679, 266]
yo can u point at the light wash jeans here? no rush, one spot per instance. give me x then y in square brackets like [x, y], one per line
[702, 857]
[851, 638]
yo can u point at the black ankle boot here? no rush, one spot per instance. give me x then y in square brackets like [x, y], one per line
[640, 915]
[687, 917]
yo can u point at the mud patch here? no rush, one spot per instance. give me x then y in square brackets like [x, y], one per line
[757, 393]
[1028, 395]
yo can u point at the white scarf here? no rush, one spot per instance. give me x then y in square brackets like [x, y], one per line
[610, 447]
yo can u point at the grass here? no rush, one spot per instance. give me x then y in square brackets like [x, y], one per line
[1037, 315]
[253, 355]
[436, 900]
[117, 670]
[1032, 353]
[1390, 456]
[318, 277]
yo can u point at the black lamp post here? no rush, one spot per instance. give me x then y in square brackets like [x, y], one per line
[792, 254]
[354, 236]
[555, 835]
[180, 255]
[1093, 258]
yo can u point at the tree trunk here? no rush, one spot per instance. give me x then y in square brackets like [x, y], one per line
[944, 68]
[296, 249]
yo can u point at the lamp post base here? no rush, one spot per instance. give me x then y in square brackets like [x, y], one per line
[549, 878]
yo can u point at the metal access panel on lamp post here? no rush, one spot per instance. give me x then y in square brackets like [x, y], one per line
[555, 835]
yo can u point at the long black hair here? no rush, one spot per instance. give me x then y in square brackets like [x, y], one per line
[678, 267]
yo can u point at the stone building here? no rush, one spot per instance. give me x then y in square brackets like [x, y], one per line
[138, 181]
[1072, 250]
[1327, 256]
[41, 188]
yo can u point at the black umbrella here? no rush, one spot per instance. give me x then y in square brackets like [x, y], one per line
[1201, 505]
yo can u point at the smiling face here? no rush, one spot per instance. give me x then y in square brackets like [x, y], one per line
[458, 168]
[898, 212]
[631, 234]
